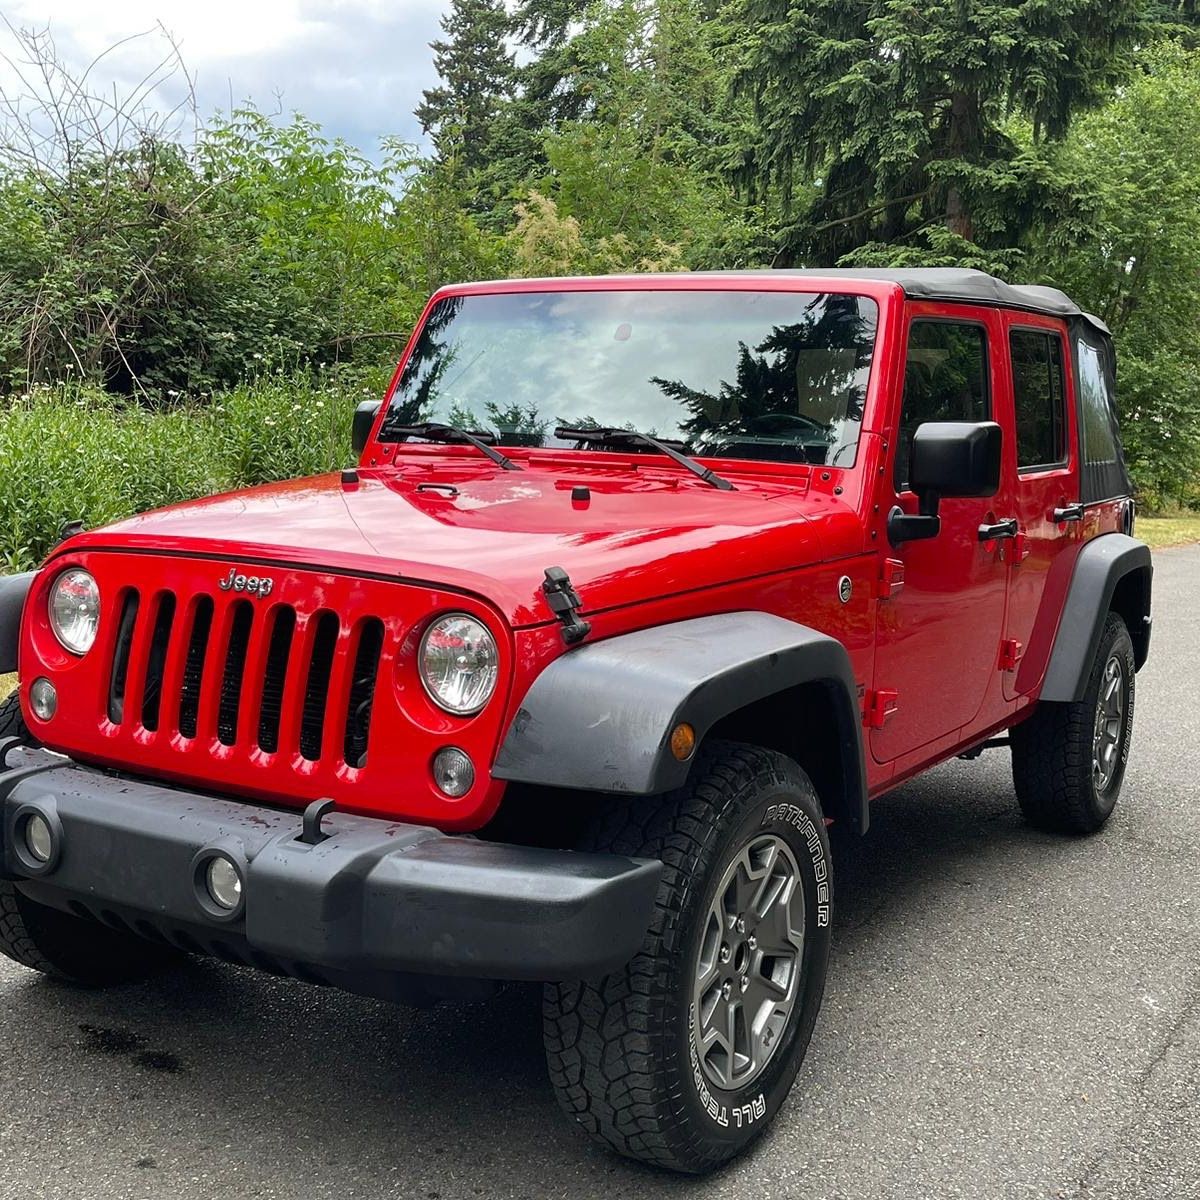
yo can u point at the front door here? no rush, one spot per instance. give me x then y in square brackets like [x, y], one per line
[938, 634]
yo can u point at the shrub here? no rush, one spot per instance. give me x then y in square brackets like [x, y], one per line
[75, 453]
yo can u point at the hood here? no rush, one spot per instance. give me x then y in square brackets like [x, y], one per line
[642, 533]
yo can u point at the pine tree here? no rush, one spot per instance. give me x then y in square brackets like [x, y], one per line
[898, 116]
[1178, 19]
[476, 70]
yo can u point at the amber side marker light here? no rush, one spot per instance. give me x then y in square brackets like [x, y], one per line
[683, 741]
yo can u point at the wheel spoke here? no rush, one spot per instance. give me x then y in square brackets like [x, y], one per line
[731, 1040]
[765, 881]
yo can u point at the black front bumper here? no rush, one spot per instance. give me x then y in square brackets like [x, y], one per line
[376, 898]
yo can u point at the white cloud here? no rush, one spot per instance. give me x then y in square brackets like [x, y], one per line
[358, 67]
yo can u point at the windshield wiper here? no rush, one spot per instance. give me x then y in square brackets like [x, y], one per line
[436, 431]
[630, 437]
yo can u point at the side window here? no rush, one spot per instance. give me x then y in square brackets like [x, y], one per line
[1038, 394]
[1096, 407]
[945, 379]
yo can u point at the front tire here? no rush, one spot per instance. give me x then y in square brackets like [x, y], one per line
[12, 723]
[1069, 759]
[682, 1058]
[67, 948]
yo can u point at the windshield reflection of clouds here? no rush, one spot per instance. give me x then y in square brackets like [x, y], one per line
[753, 375]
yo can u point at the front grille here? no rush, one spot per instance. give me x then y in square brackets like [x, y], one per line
[256, 677]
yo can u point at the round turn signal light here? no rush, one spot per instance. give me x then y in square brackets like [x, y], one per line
[683, 741]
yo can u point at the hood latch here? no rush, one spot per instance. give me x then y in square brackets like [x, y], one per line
[565, 604]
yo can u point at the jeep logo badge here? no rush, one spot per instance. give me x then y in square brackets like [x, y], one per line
[845, 589]
[252, 585]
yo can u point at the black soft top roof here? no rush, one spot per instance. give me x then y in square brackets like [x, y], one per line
[968, 287]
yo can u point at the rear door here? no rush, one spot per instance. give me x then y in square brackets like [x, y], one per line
[1043, 461]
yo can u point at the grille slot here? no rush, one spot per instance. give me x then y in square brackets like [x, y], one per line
[193, 668]
[362, 692]
[316, 689]
[120, 667]
[235, 669]
[271, 706]
[159, 640]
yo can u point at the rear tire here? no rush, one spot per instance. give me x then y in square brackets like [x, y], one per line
[1069, 759]
[69, 949]
[649, 1059]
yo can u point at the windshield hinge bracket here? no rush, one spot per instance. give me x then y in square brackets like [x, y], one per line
[891, 578]
[565, 604]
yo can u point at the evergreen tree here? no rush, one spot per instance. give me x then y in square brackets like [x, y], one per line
[902, 113]
[476, 69]
[1177, 19]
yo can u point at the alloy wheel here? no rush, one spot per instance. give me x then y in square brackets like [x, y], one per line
[749, 965]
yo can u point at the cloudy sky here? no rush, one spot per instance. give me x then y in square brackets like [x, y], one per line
[356, 66]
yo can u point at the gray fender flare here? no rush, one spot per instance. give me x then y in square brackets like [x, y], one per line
[599, 718]
[1112, 573]
[13, 590]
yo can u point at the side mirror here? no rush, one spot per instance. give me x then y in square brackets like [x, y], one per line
[948, 458]
[364, 421]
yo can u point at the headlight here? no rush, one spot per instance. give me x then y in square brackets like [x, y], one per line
[459, 664]
[75, 610]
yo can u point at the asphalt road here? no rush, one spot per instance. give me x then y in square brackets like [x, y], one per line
[1008, 1015]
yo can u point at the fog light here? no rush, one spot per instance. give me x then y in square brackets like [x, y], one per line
[43, 699]
[453, 772]
[39, 841]
[224, 883]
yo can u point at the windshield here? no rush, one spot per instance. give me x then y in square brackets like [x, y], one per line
[730, 374]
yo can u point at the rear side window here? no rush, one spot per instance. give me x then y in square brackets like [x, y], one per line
[1095, 405]
[1038, 394]
[945, 379]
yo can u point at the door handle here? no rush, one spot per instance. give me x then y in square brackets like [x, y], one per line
[1072, 512]
[1001, 529]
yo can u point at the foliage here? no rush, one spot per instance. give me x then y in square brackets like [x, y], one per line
[1140, 268]
[157, 266]
[897, 112]
[76, 453]
[638, 173]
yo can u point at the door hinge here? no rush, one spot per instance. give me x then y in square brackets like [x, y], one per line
[565, 604]
[1010, 654]
[891, 578]
[881, 704]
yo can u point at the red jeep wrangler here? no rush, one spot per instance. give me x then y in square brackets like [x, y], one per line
[639, 583]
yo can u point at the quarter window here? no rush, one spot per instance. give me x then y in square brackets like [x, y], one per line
[945, 379]
[1097, 408]
[1038, 396]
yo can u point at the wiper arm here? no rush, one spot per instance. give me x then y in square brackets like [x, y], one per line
[436, 431]
[614, 437]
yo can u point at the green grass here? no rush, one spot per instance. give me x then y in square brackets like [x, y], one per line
[1176, 529]
[7, 683]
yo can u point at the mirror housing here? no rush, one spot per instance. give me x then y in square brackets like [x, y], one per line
[956, 458]
[364, 422]
[948, 458]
